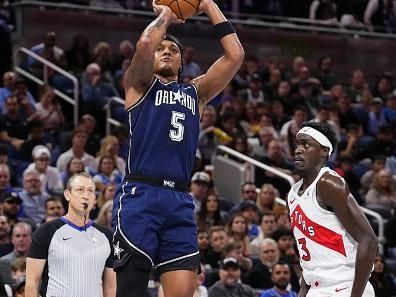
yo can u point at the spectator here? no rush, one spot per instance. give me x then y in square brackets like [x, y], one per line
[107, 173]
[284, 238]
[5, 238]
[11, 206]
[260, 275]
[106, 194]
[103, 57]
[33, 197]
[49, 110]
[209, 214]
[109, 146]
[190, 68]
[325, 73]
[282, 218]
[266, 198]
[203, 244]
[276, 158]
[250, 212]
[75, 165]
[384, 86]
[36, 137]
[27, 109]
[104, 216]
[53, 209]
[380, 16]
[96, 91]
[87, 123]
[18, 270]
[21, 238]
[280, 276]
[237, 231]
[383, 190]
[13, 126]
[79, 141]
[381, 279]
[229, 284]
[78, 55]
[377, 163]
[50, 52]
[9, 88]
[266, 134]
[126, 51]
[5, 177]
[267, 227]
[254, 93]
[324, 10]
[199, 188]
[50, 178]
[218, 238]
[357, 86]
[290, 128]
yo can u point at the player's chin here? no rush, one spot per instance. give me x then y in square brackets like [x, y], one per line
[299, 168]
[166, 71]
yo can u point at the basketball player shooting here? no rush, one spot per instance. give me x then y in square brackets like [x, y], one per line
[336, 244]
[153, 214]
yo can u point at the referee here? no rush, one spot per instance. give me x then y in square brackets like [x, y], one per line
[72, 256]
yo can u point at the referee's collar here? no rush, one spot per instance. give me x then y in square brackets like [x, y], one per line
[78, 228]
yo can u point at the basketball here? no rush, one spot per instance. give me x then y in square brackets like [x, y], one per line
[183, 9]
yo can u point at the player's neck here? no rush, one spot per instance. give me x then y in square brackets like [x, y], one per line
[310, 176]
[167, 79]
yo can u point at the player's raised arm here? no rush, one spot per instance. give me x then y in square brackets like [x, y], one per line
[223, 70]
[140, 72]
[334, 192]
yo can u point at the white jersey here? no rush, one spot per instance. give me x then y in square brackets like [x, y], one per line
[327, 251]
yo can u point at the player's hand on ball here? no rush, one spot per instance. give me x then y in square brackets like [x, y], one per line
[158, 9]
[202, 6]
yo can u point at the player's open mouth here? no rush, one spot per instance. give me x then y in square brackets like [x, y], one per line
[298, 160]
[166, 60]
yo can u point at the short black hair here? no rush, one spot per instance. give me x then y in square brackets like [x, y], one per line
[325, 129]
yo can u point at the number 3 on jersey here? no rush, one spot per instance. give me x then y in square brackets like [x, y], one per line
[178, 133]
[306, 255]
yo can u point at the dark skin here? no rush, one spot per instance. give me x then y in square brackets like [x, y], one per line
[333, 194]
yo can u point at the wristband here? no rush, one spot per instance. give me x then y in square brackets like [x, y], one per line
[223, 29]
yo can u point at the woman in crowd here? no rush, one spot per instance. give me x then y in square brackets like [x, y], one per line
[209, 215]
[237, 229]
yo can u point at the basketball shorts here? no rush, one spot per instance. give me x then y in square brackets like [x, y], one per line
[339, 290]
[158, 223]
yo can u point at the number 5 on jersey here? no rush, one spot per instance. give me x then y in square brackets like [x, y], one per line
[178, 133]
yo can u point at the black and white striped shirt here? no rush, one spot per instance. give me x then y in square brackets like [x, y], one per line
[76, 258]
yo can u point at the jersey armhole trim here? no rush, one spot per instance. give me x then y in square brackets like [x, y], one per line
[143, 97]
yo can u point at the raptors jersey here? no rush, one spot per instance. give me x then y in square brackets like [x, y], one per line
[164, 129]
[327, 251]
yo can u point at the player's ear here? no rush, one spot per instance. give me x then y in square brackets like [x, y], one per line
[325, 152]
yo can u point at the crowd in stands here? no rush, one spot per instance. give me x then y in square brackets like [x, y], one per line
[247, 248]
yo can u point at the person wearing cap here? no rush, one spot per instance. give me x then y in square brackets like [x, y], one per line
[254, 93]
[51, 181]
[11, 205]
[199, 188]
[229, 284]
[336, 243]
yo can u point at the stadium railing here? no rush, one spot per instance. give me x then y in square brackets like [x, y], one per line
[47, 64]
[110, 121]
[273, 22]
[368, 212]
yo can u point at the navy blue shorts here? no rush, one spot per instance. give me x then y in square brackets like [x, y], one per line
[157, 222]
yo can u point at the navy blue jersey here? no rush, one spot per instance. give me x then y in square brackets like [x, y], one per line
[164, 130]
